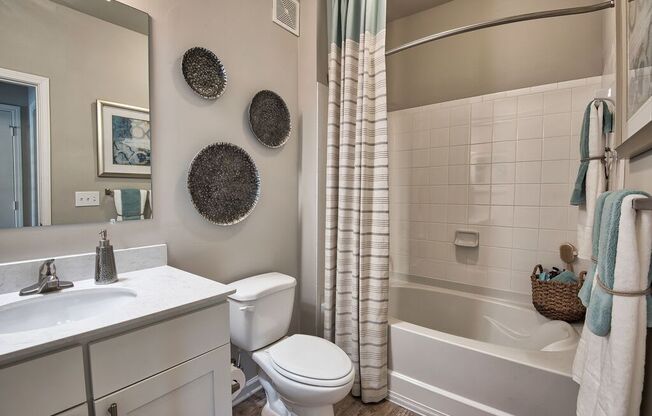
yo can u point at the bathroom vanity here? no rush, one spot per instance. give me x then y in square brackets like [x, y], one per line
[154, 343]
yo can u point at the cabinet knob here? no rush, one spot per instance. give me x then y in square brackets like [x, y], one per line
[113, 410]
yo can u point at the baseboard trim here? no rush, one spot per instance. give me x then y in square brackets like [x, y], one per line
[251, 387]
[427, 400]
[413, 406]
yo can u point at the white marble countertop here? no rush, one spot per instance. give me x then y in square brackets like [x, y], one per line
[162, 292]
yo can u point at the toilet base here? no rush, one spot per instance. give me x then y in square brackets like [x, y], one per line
[321, 411]
[267, 411]
[275, 406]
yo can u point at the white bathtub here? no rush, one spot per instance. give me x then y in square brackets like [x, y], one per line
[461, 354]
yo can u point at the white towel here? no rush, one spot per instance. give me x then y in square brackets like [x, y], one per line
[117, 199]
[610, 369]
[596, 181]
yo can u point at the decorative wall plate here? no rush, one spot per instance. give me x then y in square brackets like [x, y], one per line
[204, 72]
[223, 183]
[269, 119]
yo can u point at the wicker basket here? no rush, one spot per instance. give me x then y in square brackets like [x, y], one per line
[557, 300]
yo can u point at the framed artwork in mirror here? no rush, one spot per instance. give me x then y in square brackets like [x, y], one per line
[124, 142]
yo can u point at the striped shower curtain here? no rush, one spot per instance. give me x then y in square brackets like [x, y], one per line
[357, 195]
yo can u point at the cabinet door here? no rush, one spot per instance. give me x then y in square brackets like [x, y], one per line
[43, 386]
[200, 387]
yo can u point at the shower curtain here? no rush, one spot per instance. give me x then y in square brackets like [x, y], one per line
[357, 193]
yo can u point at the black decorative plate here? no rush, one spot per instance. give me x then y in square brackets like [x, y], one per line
[269, 119]
[204, 72]
[223, 183]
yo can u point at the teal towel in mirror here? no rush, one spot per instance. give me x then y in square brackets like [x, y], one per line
[131, 204]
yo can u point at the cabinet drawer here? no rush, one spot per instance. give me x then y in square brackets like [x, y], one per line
[43, 386]
[126, 359]
[200, 386]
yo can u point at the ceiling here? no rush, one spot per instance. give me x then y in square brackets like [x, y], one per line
[401, 8]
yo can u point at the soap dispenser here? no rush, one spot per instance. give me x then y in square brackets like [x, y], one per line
[105, 270]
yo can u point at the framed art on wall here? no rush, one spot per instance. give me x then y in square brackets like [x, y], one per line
[124, 143]
[639, 65]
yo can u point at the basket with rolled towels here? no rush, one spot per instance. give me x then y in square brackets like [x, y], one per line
[554, 293]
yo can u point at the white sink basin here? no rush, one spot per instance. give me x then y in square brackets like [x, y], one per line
[61, 308]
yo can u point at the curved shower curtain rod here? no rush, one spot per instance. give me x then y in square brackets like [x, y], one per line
[503, 21]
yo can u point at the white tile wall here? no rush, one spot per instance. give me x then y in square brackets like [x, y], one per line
[502, 164]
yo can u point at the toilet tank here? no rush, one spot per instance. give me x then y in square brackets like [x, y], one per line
[261, 309]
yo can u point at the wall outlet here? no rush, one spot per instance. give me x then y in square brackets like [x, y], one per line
[87, 199]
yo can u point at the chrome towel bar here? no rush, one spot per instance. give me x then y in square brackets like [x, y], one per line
[642, 204]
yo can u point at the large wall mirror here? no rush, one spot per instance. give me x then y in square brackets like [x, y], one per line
[75, 142]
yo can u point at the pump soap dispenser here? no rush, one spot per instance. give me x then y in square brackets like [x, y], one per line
[105, 270]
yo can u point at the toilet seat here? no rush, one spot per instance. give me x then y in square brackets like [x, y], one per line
[311, 360]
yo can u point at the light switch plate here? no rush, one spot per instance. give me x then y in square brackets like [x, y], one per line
[87, 199]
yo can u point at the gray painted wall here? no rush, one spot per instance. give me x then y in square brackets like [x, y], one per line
[85, 59]
[258, 54]
[491, 60]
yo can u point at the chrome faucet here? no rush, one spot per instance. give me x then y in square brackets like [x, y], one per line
[47, 280]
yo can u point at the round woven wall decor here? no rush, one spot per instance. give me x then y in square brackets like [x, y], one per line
[223, 183]
[204, 73]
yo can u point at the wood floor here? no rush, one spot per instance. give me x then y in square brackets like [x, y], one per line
[347, 407]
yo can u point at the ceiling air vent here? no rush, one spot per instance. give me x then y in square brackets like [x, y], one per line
[286, 15]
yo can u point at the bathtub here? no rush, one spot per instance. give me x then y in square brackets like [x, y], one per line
[462, 354]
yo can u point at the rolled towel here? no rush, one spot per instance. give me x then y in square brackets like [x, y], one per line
[565, 277]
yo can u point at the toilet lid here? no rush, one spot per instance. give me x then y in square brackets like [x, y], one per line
[311, 360]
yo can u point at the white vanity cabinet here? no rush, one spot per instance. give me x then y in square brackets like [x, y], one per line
[43, 386]
[176, 367]
[163, 351]
[197, 387]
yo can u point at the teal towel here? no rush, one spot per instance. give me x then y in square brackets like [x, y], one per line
[587, 287]
[131, 204]
[544, 276]
[579, 191]
[565, 277]
[598, 314]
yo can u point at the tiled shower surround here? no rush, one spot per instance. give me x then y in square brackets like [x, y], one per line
[502, 164]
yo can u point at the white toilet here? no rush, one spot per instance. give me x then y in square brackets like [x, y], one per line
[301, 374]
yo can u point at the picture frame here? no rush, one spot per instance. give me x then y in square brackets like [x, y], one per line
[638, 41]
[123, 141]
